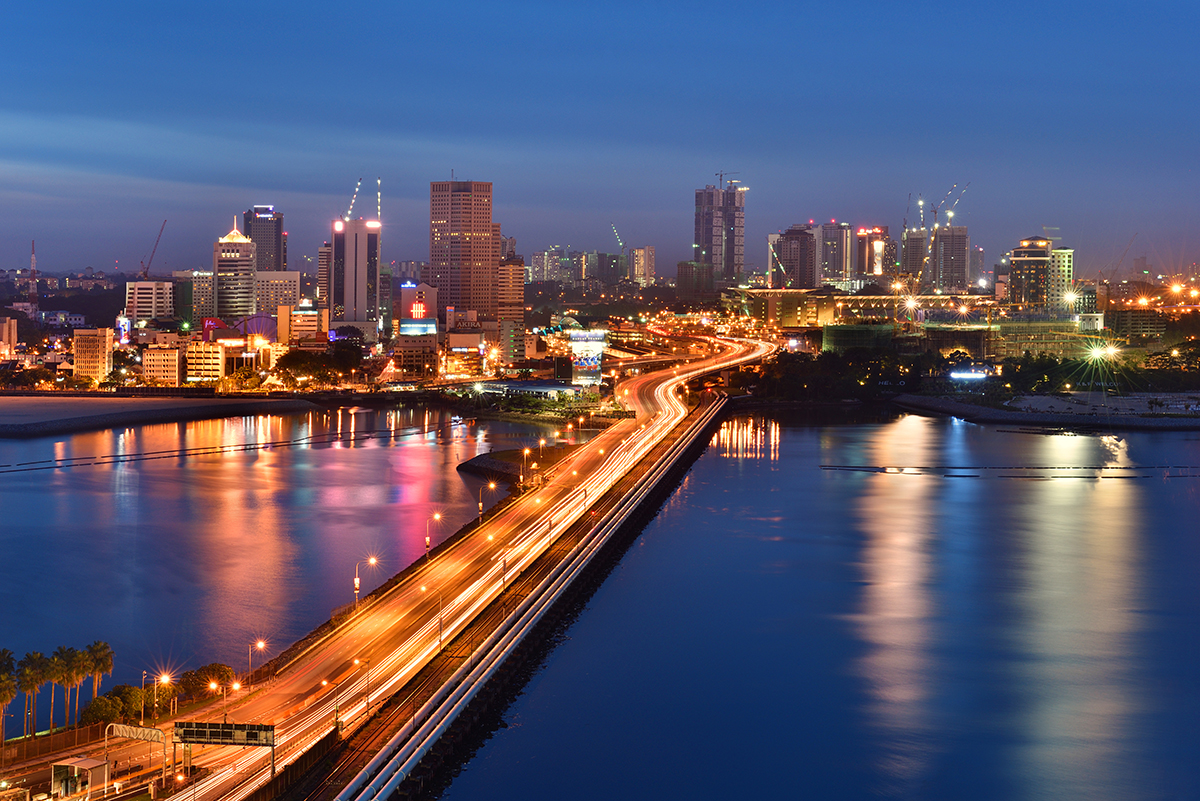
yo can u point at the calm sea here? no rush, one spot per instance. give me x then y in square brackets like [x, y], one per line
[913, 608]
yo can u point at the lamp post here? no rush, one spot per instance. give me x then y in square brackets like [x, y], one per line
[368, 663]
[436, 516]
[491, 485]
[541, 444]
[371, 561]
[164, 680]
[235, 686]
[524, 456]
[261, 644]
[143, 723]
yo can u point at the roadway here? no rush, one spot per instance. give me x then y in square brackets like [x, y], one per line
[382, 647]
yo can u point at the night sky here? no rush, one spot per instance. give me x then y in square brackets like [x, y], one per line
[116, 116]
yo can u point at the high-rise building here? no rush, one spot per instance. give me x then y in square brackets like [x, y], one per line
[641, 265]
[149, 300]
[354, 276]
[276, 288]
[464, 246]
[914, 244]
[233, 276]
[950, 258]
[93, 348]
[795, 256]
[510, 308]
[720, 237]
[876, 251]
[1060, 279]
[836, 252]
[1028, 272]
[978, 269]
[324, 260]
[264, 227]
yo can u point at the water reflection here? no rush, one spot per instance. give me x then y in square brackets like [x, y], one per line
[748, 438]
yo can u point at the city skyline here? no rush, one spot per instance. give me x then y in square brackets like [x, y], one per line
[108, 158]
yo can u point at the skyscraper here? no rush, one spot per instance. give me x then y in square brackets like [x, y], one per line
[324, 259]
[264, 227]
[354, 276]
[464, 246]
[720, 238]
[233, 276]
[1028, 272]
[641, 265]
[914, 243]
[836, 253]
[796, 255]
[949, 261]
[876, 251]
[1060, 278]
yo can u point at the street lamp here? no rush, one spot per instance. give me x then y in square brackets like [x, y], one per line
[261, 644]
[164, 679]
[214, 686]
[541, 442]
[436, 516]
[368, 663]
[143, 723]
[524, 456]
[491, 485]
[371, 560]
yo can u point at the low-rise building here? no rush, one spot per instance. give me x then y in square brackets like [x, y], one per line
[166, 364]
[93, 348]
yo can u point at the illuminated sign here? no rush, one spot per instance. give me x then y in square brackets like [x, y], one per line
[417, 311]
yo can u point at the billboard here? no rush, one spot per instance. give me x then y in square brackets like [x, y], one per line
[587, 349]
[192, 731]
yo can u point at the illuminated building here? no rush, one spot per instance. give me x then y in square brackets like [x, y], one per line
[587, 349]
[233, 276]
[303, 325]
[165, 364]
[876, 251]
[510, 308]
[795, 254]
[8, 336]
[1028, 272]
[836, 252]
[464, 246]
[914, 242]
[93, 349]
[641, 265]
[720, 233]
[354, 276]
[1060, 278]
[324, 257]
[949, 260]
[276, 288]
[264, 226]
[149, 300]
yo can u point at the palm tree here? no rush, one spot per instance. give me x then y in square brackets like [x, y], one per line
[32, 673]
[101, 654]
[81, 669]
[27, 684]
[7, 665]
[8, 692]
[56, 672]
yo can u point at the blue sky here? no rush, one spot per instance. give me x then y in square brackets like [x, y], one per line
[115, 117]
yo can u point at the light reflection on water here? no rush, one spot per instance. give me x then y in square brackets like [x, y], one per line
[180, 561]
[977, 624]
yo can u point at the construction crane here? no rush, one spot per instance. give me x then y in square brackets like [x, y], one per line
[721, 178]
[145, 271]
[353, 198]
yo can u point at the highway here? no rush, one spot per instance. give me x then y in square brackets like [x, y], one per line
[383, 646]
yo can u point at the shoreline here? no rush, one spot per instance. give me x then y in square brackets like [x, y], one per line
[23, 417]
[1076, 421]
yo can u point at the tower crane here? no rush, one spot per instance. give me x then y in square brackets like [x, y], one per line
[145, 271]
[353, 198]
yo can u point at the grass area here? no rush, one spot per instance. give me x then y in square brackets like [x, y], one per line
[551, 455]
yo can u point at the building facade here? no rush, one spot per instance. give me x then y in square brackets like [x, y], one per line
[950, 258]
[720, 231]
[464, 246]
[149, 300]
[354, 276]
[795, 256]
[1029, 272]
[233, 276]
[876, 251]
[836, 252]
[1060, 279]
[641, 265]
[93, 349]
[275, 288]
[264, 227]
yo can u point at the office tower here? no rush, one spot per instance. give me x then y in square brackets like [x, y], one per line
[978, 270]
[836, 253]
[149, 300]
[948, 262]
[264, 227]
[276, 288]
[1060, 279]
[324, 260]
[510, 308]
[610, 268]
[508, 246]
[93, 349]
[641, 265]
[720, 237]
[1028, 272]
[354, 276]
[914, 244]
[385, 297]
[795, 257]
[876, 251]
[233, 276]
[464, 246]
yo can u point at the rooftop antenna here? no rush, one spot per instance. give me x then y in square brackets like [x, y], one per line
[353, 198]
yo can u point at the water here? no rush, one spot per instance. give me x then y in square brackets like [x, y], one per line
[784, 631]
[181, 562]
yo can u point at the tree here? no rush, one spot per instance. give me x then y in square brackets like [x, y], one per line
[31, 676]
[80, 669]
[27, 684]
[101, 654]
[7, 665]
[56, 672]
[8, 693]
[105, 709]
[130, 698]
